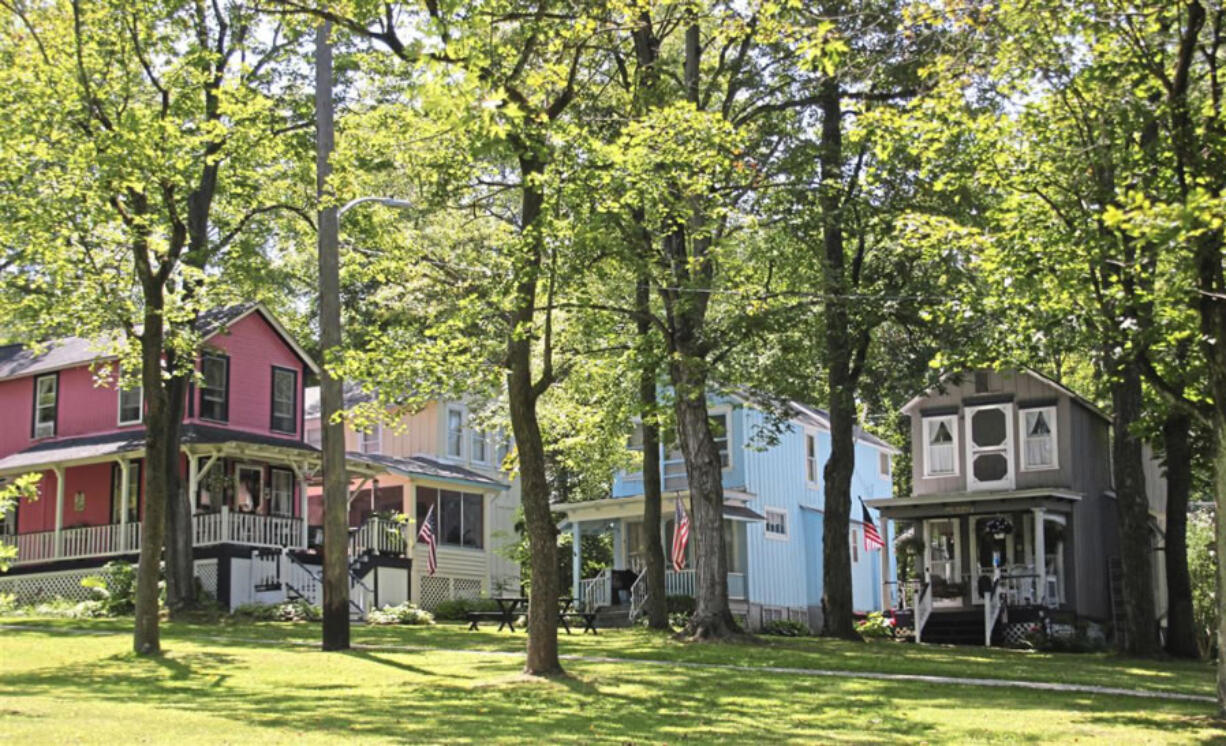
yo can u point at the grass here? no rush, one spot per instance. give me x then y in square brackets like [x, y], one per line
[60, 687]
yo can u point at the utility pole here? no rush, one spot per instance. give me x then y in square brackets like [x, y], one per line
[336, 482]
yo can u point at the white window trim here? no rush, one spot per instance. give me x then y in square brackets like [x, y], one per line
[55, 389]
[1009, 449]
[787, 527]
[140, 409]
[238, 483]
[272, 491]
[364, 437]
[447, 431]
[1052, 423]
[726, 412]
[887, 472]
[815, 481]
[855, 546]
[952, 426]
[473, 437]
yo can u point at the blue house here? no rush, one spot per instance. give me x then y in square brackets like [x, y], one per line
[773, 513]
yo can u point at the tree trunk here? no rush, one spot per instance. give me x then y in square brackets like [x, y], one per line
[712, 617]
[837, 618]
[180, 566]
[522, 395]
[657, 602]
[1180, 627]
[146, 638]
[1219, 530]
[336, 481]
[1132, 505]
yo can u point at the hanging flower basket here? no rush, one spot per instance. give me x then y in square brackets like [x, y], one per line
[999, 527]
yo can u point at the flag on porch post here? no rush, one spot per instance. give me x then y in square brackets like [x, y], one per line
[426, 534]
[681, 536]
[872, 539]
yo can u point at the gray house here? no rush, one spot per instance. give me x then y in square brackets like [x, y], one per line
[1012, 514]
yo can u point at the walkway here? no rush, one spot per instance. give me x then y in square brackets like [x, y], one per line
[781, 670]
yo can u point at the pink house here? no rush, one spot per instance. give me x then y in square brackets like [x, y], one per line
[245, 462]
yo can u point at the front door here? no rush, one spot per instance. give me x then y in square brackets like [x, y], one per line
[943, 561]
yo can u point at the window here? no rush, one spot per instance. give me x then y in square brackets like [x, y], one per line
[134, 469]
[284, 400]
[250, 486]
[1039, 439]
[811, 458]
[315, 436]
[989, 447]
[855, 545]
[480, 447]
[776, 523]
[460, 516]
[455, 433]
[46, 397]
[215, 393]
[215, 488]
[131, 405]
[941, 446]
[282, 492]
[883, 464]
[719, 431]
[371, 441]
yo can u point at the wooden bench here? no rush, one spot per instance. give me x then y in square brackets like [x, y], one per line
[475, 617]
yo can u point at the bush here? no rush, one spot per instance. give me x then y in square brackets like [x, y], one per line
[681, 605]
[785, 628]
[8, 602]
[66, 609]
[456, 610]
[114, 589]
[297, 610]
[1202, 567]
[405, 613]
[876, 626]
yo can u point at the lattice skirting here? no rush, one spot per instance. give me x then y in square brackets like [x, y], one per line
[1015, 634]
[434, 589]
[66, 584]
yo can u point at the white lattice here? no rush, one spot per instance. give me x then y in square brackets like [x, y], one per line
[206, 573]
[434, 589]
[45, 586]
[465, 588]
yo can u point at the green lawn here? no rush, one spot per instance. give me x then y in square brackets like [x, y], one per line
[58, 687]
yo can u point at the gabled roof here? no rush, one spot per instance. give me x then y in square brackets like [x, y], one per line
[819, 417]
[19, 360]
[1052, 383]
[421, 466]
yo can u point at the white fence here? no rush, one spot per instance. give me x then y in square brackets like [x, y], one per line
[124, 538]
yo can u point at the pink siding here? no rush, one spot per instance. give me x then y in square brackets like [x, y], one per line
[93, 480]
[84, 409]
[254, 348]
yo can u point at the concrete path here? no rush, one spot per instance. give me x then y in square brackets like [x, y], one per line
[781, 670]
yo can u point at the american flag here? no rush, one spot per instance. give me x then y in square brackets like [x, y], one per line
[426, 534]
[681, 536]
[872, 539]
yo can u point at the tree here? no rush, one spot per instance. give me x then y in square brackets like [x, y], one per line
[146, 150]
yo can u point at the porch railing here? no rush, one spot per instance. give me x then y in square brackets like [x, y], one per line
[598, 591]
[638, 595]
[378, 535]
[125, 538]
[903, 594]
[993, 605]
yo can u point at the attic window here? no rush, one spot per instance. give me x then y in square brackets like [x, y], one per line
[1039, 439]
[940, 446]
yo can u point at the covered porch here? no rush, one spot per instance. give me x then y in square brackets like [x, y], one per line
[623, 583]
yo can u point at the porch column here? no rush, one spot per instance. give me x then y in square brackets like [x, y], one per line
[193, 480]
[59, 510]
[576, 560]
[885, 562]
[1040, 554]
[124, 467]
[304, 509]
[619, 547]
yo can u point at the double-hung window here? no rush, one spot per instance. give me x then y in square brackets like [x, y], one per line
[1039, 439]
[282, 492]
[480, 452]
[811, 458]
[455, 432]
[776, 523]
[883, 464]
[284, 400]
[371, 441]
[215, 393]
[459, 516]
[719, 431]
[941, 446]
[131, 405]
[46, 399]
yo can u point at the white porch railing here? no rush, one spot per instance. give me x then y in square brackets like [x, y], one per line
[993, 605]
[378, 535]
[598, 591]
[638, 595]
[124, 538]
[923, 610]
[679, 582]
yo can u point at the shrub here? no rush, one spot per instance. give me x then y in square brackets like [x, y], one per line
[114, 589]
[457, 609]
[1202, 567]
[681, 605]
[785, 628]
[66, 609]
[405, 613]
[297, 610]
[876, 626]
[8, 602]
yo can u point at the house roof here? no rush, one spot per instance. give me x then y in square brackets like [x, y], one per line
[353, 395]
[821, 418]
[1094, 408]
[101, 447]
[421, 466]
[19, 360]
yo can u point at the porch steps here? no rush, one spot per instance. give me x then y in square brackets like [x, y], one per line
[961, 627]
[608, 617]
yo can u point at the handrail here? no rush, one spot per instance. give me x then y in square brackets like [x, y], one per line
[598, 591]
[923, 610]
[993, 605]
[638, 595]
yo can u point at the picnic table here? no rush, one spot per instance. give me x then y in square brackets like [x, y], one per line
[509, 607]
